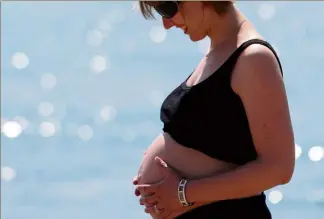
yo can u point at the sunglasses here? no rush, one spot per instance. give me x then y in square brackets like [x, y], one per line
[168, 9]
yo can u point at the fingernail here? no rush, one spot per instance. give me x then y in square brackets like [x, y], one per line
[164, 164]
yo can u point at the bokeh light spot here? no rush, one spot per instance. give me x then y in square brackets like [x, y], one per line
[85, 132]
[157, 34]
[128, 134]
[275, 196]
[108, 113]
[298, 151]
[316, 153]
[8, 174]
[12, 129]
[47, 129]
[48, 81]
[266, 11]
[20, 60]
[98, 64]
[95, 37]
[45, 108]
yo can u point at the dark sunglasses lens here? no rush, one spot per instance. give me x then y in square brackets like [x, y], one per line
[167, 9]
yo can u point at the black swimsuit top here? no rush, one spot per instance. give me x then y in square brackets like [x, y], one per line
[210, 117]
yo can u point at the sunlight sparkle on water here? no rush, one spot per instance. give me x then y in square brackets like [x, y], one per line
[8, 174]
[45, 108]
[22, 122]
[95, 37]
[267, 11]
[275, 196]
[157, 34]
[316, 153]
[20, 60]
[48, 81]
[98, 64]
[12, 129]
[85, 132]
[108, 113]
[298, 151]
[47, 129]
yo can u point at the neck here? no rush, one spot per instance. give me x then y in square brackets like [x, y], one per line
[224, 27]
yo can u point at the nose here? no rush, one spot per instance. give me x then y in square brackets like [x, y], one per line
[167, 23]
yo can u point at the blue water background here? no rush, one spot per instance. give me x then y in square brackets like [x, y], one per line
[65, 177]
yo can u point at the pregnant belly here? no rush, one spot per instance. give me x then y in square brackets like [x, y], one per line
[187, 162]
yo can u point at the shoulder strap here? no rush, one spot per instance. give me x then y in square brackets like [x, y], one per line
[231, 61]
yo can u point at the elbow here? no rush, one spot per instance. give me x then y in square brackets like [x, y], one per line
[285, 179]
[286, 172]
[281, 173]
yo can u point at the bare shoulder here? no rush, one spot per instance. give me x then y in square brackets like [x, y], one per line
[257, 80]
[257, 65]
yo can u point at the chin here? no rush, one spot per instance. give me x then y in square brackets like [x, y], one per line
[196, 38]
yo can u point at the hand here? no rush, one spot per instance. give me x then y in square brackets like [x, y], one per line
[150, 208]
[135, 182]
[164, 193]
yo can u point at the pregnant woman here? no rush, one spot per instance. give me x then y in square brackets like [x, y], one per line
[227, 134]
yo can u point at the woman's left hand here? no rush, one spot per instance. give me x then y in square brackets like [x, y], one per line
[164, 193]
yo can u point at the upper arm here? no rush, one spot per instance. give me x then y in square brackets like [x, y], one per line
[258, 81]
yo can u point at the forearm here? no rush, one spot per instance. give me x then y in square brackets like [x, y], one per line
[245, 181]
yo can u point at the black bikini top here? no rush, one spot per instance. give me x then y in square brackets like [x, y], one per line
[209, 117]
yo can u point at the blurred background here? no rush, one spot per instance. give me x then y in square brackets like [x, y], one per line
[81, 88]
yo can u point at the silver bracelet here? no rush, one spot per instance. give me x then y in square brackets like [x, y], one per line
[182, 193]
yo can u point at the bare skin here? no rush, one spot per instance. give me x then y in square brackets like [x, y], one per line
[187, 162]
[266, 107]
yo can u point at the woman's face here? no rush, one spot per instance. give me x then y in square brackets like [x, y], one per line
[189, 16]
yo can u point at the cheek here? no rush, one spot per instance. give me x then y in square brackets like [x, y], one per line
[193, 23]
[178, 20]
[194, 27]
[193, 16]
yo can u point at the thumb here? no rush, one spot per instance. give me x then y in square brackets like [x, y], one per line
[163, 166]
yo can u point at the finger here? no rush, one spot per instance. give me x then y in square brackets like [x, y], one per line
[135, 180]
[148, 200]
[137, 192]
[158, 210]
[161, 162]
[159, 207]
[150, 210]
[163, 166]
[163, 214]
[147, 189]
[149, 205]
[153, 210]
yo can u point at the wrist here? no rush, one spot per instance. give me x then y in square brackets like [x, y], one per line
[191, 191]
[182, 193]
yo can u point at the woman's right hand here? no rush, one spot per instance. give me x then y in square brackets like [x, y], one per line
[135, 182]
[137, 193]
[151, 211]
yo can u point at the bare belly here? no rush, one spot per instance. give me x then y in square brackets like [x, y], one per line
[187, 162]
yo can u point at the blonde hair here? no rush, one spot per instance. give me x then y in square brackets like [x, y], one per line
[146, 7]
